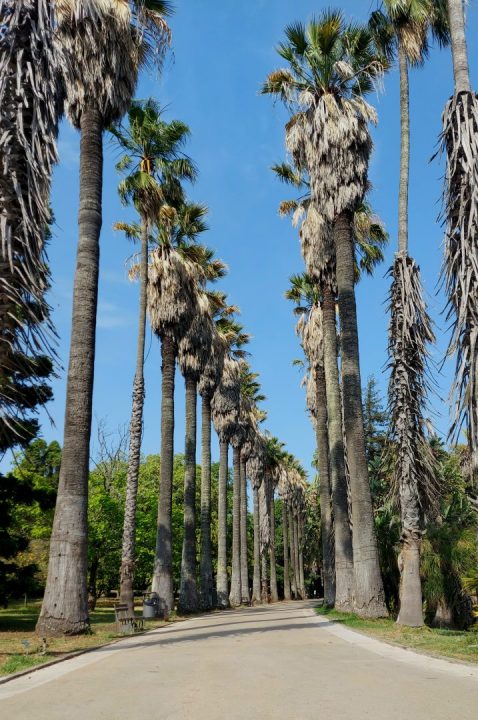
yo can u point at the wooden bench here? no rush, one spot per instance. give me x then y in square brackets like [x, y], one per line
[127, 623]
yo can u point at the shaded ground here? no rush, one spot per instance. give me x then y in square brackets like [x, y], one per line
[456, 644]
[259, 663]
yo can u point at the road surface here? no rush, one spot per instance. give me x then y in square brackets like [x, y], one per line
[278, 662]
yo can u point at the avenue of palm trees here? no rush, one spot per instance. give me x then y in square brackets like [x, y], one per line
[83, 59]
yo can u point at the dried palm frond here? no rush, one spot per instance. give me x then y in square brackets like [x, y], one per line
[101, 51]
[460, 267]
[317, 247]
[255, 467]
[311, 395]
[410, 333]
[31, 105]
[194, 346]
[172, 282]
[212, 371]
[225, 404]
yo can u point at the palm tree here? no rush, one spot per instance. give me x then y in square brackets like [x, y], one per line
[156, 165]
[250, 417]
[225, 406]
[172, 284]
[101, 47]
[274, 455]
[460, 142]
[225, 335]
[331, 67]
[403, 32]
[194, 349]
[255, 470]
[304, 292]
[32, 103]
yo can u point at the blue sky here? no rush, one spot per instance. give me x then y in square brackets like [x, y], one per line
[222, 51]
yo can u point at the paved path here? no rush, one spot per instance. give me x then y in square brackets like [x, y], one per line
[266, 663]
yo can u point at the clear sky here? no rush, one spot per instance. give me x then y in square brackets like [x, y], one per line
[222, 51]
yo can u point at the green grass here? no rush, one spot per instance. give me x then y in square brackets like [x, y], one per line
[21, 649]
[453, 644]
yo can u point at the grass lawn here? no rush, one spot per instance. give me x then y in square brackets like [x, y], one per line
[21, 649]
[454, 644]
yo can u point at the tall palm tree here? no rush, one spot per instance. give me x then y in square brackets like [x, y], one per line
[403, 33]
[172, 284]
[460, 143]
[225, 335]
[332, 66]
[251, 415]
[304, 292]
[156, 166]
[274, 455]
[101, 47]
[225, 407]
[194, 350]
[31, 98]
[255, 470]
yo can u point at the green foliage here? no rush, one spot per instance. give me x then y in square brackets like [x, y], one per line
[27, 499]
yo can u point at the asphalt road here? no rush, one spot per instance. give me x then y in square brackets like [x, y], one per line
[264, 663]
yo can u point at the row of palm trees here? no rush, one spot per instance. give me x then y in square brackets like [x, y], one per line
[84, 58]
[94, 53]
[330, 68]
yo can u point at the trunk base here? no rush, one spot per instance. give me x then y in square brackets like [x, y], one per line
[48, 626]
[411, 604]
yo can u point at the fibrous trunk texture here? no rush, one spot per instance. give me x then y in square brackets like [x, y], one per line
[222, 585]
[264, 579]
[295, 574]
[256, 580]
[188, 597]
[245, 598]
[31, 105]
[460, 268]
[135, 435]
[235, 594]
[162, 582]
[414, 472]
[326, 521]
[285, 533]
[300, 537]
[344, 559]
[369, 599]
[65, 603]
[295, 532]
[272, 548]
[207, 580]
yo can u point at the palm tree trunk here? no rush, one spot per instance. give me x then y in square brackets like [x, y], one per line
[162, 582]
[456, 18]
[245, 598]
[207, 580]
[326, 524]
[293, 580]
[411, 610]
[369, 593]
[404, 151]
[344, 559]
[188, 598]
[135, 435]
[295, 532]
[235, 594]
[300, 533]
[221, 579]
[256, 581]
[272, 548]
[65, 603]
[264, 578]
[285, 533]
